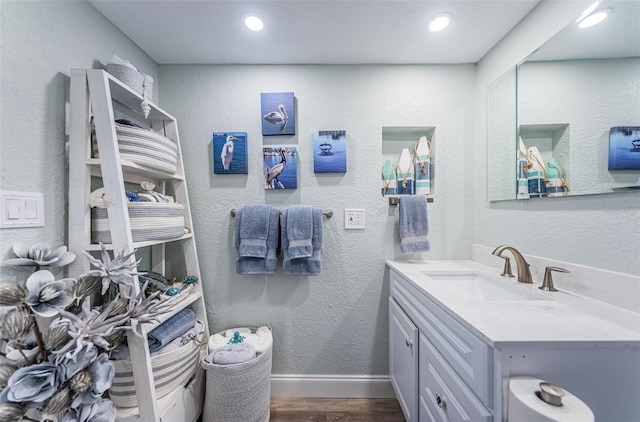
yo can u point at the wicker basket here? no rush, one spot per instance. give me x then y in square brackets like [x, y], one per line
[171, 370]
[144, 147]
[240, 392]
[148, 220]
[134, 79]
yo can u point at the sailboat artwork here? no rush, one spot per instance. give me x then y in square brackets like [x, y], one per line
[330, 151]
[624, 148]
[230, 153]
[278, 113]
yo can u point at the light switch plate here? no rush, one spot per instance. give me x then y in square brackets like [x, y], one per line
[21, 209]
[354, 219]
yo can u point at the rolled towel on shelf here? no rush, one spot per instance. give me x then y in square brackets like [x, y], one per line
[309, 266]
[246, 265]
[178, 342]
[413, 224]
[231, 354]
[171, 329]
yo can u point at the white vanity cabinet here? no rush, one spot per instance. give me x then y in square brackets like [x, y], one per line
[468, 348]
[455, 388]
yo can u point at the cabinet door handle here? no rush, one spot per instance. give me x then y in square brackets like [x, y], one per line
[409, 342]
[440, 401]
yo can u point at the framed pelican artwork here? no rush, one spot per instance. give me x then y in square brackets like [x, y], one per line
[330, 151]
[230, 153]
[278, 113]
[280, 167]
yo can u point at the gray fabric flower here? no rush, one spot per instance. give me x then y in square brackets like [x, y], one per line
[70, 367]
[102, 372]
[46, 295]
[87, 329]
[11, 412]
[145, 309]
[31, 384]
[58, 403]
[119, 270]
[6, 370]
[40, 255]
[17, 323]
[12, 294]
[101, 410]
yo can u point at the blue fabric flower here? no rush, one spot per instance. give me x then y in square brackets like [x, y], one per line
[72, 365]
[31, 384]
[102, 372]
[46, 295]
[101, 410]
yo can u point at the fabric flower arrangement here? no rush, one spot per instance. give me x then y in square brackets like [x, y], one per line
[63, 376]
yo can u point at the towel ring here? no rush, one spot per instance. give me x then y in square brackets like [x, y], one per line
[326, 213]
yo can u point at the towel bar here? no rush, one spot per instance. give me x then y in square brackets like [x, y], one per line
[395, 200]
[326, 213]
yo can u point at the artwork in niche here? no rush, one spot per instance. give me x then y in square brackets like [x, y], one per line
[330, 151]
[624, 148]
[230, 153]
[278, 113]
[280, 167]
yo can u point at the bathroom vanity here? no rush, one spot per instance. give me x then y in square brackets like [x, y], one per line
[458, 331]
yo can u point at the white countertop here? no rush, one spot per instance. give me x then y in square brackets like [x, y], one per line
[557, 317]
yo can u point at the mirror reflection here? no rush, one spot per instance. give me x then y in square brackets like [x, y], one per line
[578, 106]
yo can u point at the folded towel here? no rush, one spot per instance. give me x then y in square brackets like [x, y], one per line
[254, 230]
[261, 340]
[231, 354]
[300, 231]
[253, 265]
[303, 266]
[172, 328]
[178, 342]
[413, 224]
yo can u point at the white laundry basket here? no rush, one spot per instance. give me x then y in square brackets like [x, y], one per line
[239, 392]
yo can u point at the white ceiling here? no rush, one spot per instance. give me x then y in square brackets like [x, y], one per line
[313, 31]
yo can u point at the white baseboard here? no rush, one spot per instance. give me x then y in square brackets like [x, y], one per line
[334, 386]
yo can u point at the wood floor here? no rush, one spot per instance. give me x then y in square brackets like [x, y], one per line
[320, 409]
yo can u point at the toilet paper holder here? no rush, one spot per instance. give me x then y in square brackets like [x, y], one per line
[550, 393]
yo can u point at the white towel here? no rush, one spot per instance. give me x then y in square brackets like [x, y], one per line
[231, 354]
[261, 339]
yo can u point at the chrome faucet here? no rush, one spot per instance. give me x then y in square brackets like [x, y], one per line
[524, 274]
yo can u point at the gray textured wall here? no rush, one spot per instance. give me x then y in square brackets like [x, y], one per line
[335, 323]
[41, 41]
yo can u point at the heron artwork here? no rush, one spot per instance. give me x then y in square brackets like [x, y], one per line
[227, 151]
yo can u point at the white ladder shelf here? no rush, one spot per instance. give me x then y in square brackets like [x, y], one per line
[96, 93]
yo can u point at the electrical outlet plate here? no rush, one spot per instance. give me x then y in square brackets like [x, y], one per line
[354, 219]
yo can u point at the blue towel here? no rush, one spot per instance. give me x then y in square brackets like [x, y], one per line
[303, 266]
[254, 230]
[253, 265]
[413, 224]
[300, 231]
[231, 354]
[171, 329]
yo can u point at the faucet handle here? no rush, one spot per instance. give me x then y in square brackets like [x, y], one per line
[506, 271]
[547, 282]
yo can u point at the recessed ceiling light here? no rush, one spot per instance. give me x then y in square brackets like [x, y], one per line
[254, 23]
[588, 10]
[440, 22]
[595, 18]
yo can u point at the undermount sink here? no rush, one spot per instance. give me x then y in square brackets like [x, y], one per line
[478, 286]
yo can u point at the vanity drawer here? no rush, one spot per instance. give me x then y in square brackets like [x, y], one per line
[469, 356]
[443, 395]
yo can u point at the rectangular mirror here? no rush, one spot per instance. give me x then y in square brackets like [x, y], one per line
[578, 90]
